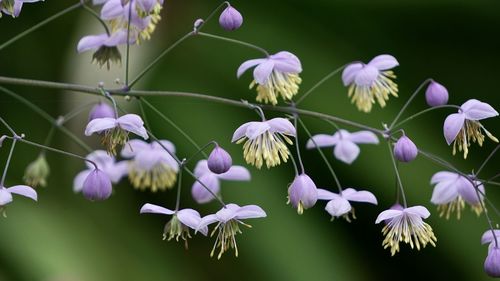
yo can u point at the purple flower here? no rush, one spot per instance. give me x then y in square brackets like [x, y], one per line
[405, 150]
[179, 225]
[338, 204]
[302, 193]
[275, 75]
[265, 141]
[345, 143]
[97, 186]
[230, 19]
[101, 110]
[436, 94]
[115, 131]
[13, 7]
[104, 46]
[212, 181]
[228, 220]
[492, 262]
[406, 226]
[219, 160]
[36, 172]
[6, 194]
[371, 82]
[489, 237]
[452, 191]
[152, 166]
[105, 163]
[463, 128]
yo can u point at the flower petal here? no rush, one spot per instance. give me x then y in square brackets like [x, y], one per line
[388, 214]
[24, 190]
[421, 211]
[488, 236]
[134, 124]
[444, 193]
[201, 168]
[91, 42]
[155, 209]
[282, 126]
[346, 151]
[361, 196]
[250, 212]
[477, 110]
[200, 193]
[286, 62]
[452, 125]
[338, 207]
[444, 176]
[363, 137]
[79, 179]
[350, 73]
[384, 62]
[248, 64]
[132, 147]
[205, 221]
[262, 72]
[5, 196]
[321, 140]
[99, 124]
[324, 194]
[191, 218]
[256, 129]
[241, 131]
[236, 173]
[112, 9]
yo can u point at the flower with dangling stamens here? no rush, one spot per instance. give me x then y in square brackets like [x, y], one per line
[464, 128]
[406, 226]
[228, 220]
[452, 191]
[105, 46]
[115, 132]
[179, 224]
[265, 141]
[372, 82]
[36, 172]
[339, 204]
[212, 180]
[346, 148]
[6, 195]
[152, 166]
[276, 75]
[13, 7]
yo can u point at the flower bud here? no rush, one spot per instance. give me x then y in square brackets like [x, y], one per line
[101, 110]
[436, 94]
[492, 262]
[97, 186]
[302, 193]
[219, 161]
[230, 19]
[405, 150]
[36, 172]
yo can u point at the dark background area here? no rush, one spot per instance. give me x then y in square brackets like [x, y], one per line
[65, 237]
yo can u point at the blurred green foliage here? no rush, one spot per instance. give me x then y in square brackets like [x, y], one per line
[64, 237]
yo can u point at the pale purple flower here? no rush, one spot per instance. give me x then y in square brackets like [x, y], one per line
[13, 7]
[230, 19]
[151, 166]
[339, 203]
[219, 161]
[212, 181]
[452, 191]
[104, 47]
[115, 131]
[275, 75]
[345, 143]
[6, 194]
[179, 225]
[97, 186]
[489, 237]
[464, 128]
[436, 94]
[105, 163]
[492, 262]
[101, 110]
[228, 220]
[406, 226]
[372, 82]
[265, 141]
[302, 193]
[405, 150]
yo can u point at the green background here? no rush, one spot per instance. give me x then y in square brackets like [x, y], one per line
[65, 237]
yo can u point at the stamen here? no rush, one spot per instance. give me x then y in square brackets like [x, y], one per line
[160, 177]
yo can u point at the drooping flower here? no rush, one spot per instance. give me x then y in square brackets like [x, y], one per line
[463, 128]
[97, 186]
[492, 262]
[179, 224]
[152, 166]
[219, 161]
[338, 203]
[276, 75]
[105, 163]
[405, 150]
[105, 47]
[212, 181]
[436, 94]
[6, 195]
[13, 7]
[345, 143]
[101, 110]
[228, 220]
[115, 131]
[265, 141]
[36, 172]
[230, 19]
[372, 82]
[452, 191]
[302, 193]
[406, 226]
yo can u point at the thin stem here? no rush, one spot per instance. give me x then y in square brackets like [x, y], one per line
[333, 124]
[423, 112]
[262, 50]
[495, 209]
[4, 175]
[319, 83]
[493, 177]
[201, 150]
[294, 164]
[488, 159]
[38, 25]
[47, 117]
[113, 101]
[73, 113]
[299, 158]
[143, 113]
[179, 187]
[408, 102]
[48, 139]
[97, 17]
[127, 62]
[396, 170]
[212, 14]
[490, 224]
[157, 60]
[8, 126]
[332, 172]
